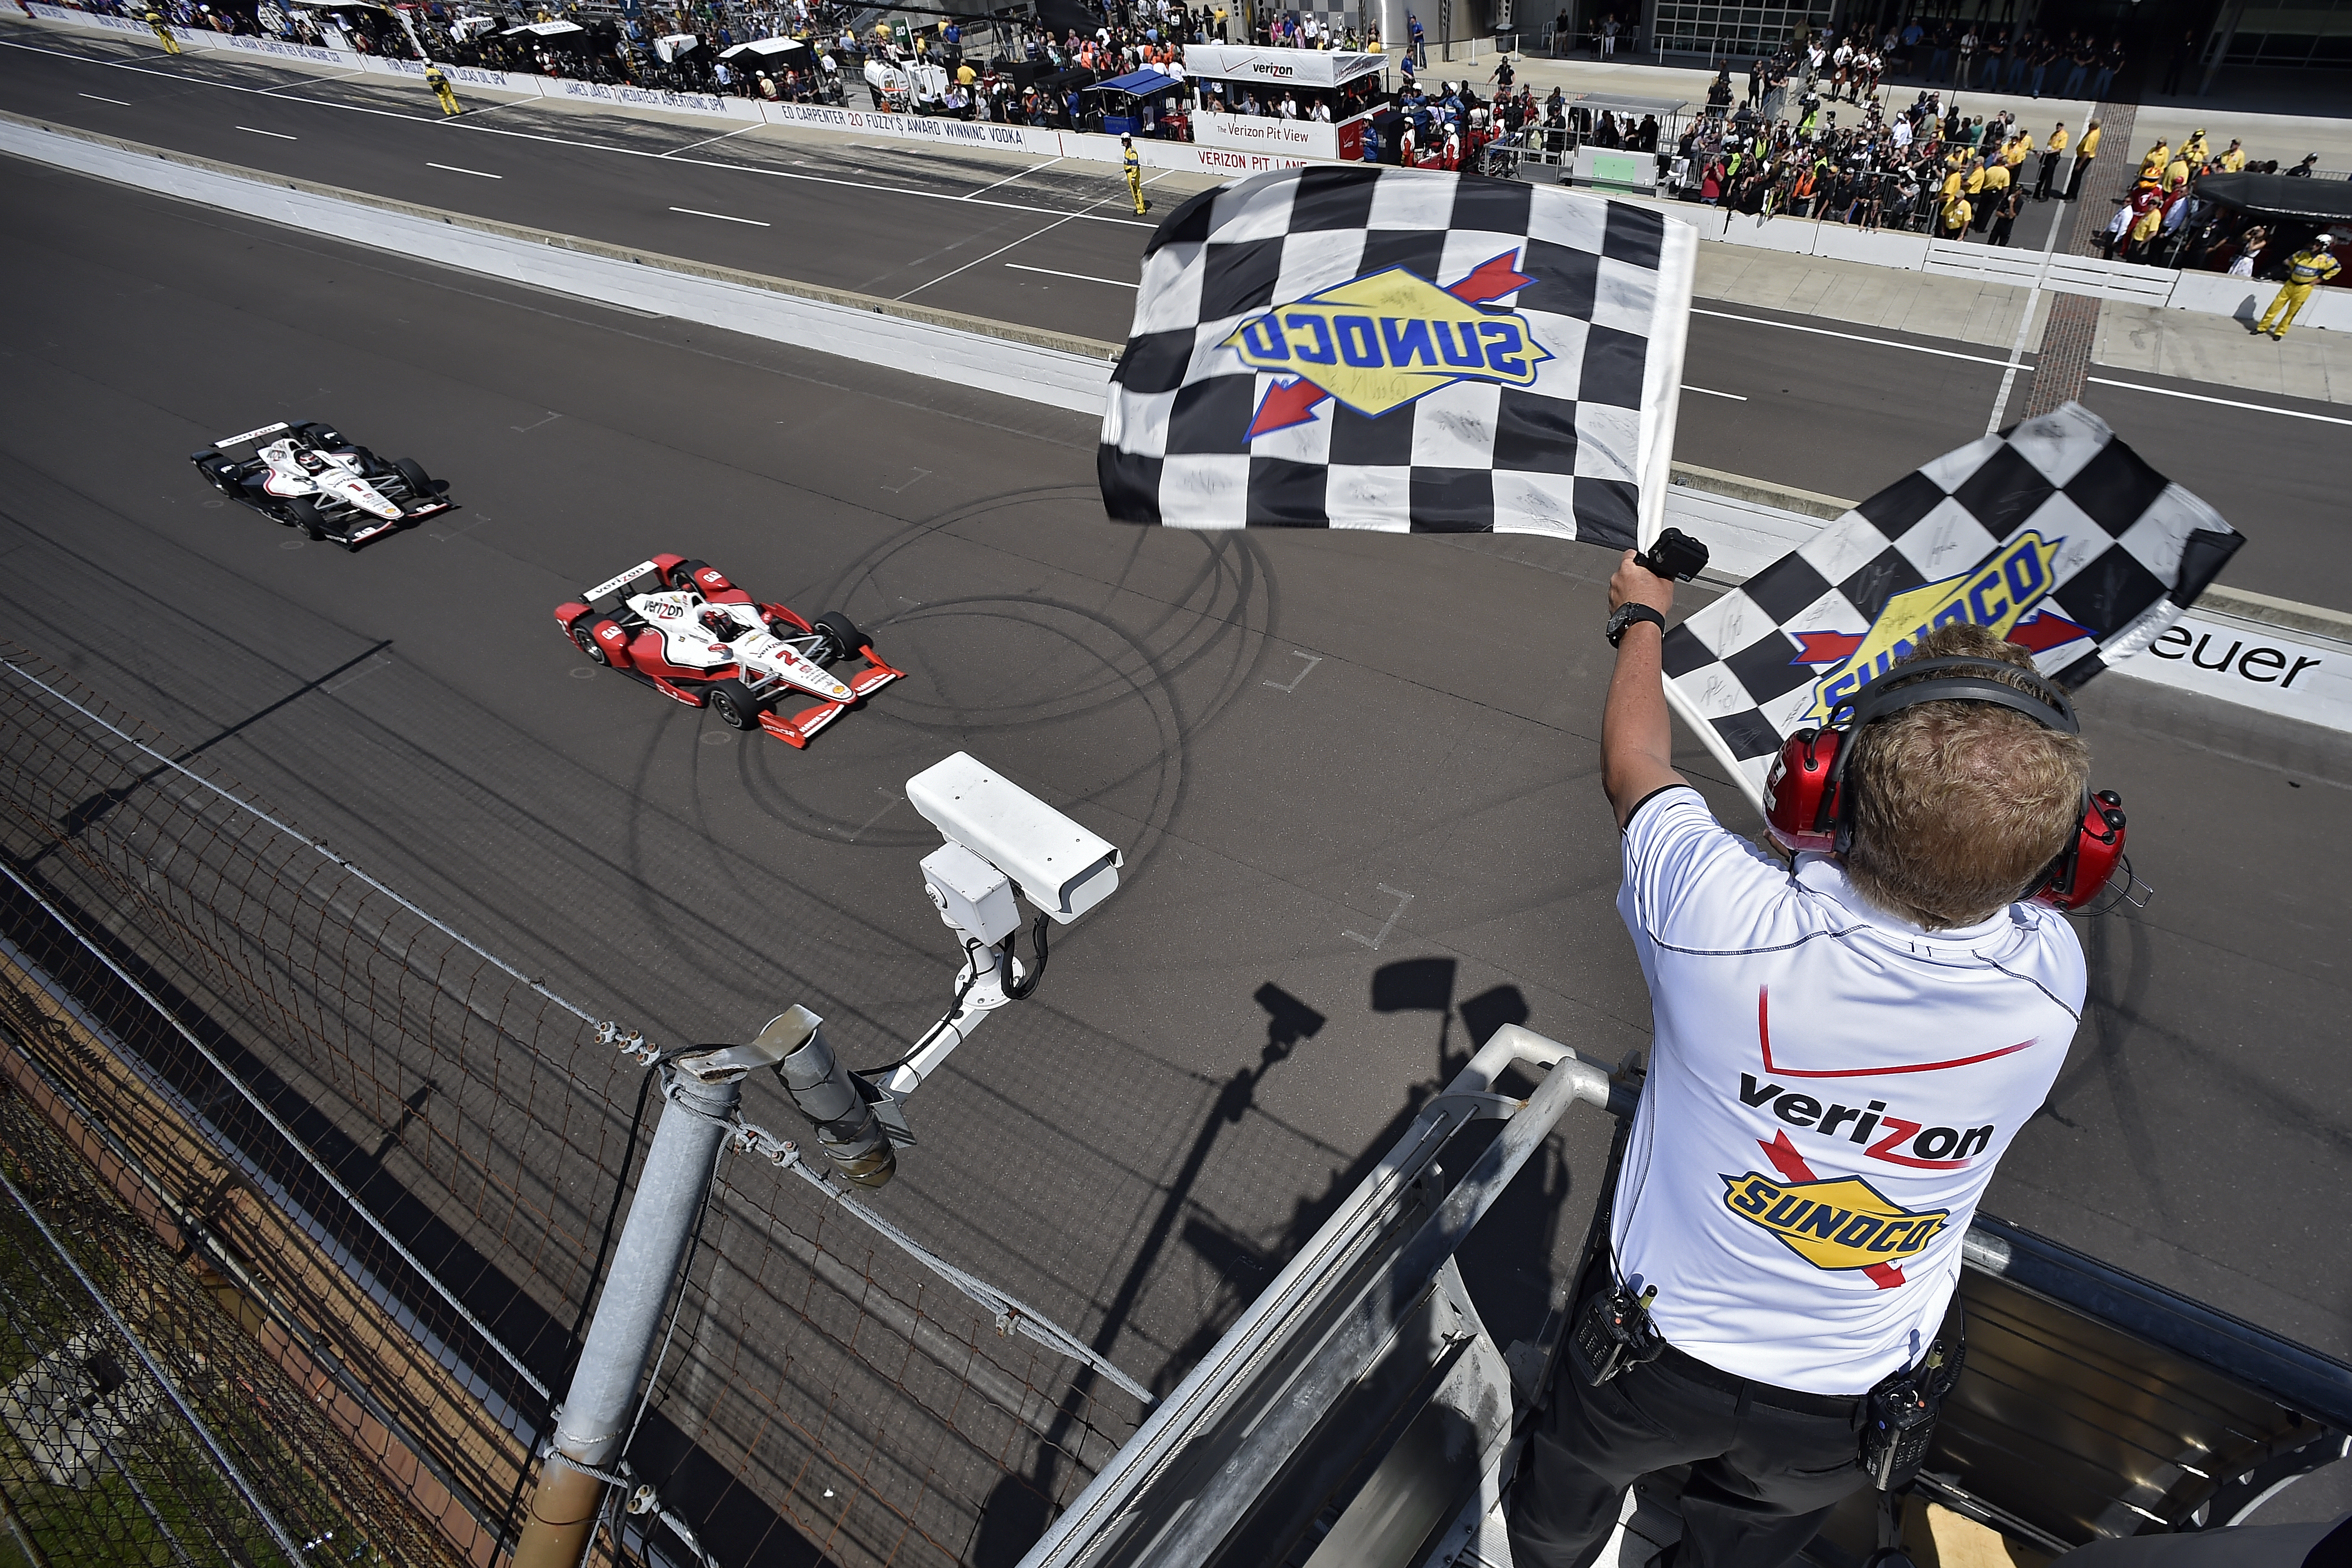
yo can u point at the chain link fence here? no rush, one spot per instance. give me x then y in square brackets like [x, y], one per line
[408, 1152]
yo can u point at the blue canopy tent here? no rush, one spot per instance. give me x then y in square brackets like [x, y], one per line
[1140, 90]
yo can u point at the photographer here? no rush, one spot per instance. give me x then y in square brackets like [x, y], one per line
[1844, 1047]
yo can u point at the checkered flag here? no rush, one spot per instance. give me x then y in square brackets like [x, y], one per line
[2056, 536]
[1357, 346]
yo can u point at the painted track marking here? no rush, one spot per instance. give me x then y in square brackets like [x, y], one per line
[103, 99]
[1852, 337]
[723, 217]
[1081, 277]
[456, 169]
[1387, 925]
[1312, 660]
[1736, 397]
[278, 134]
[2224, 402]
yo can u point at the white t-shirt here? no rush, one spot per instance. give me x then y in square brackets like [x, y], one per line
[1829, 1091]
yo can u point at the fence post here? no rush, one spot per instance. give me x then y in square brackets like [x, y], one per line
[700, 1096]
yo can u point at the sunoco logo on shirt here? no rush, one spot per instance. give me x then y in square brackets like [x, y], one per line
[1841, 1224]
[1377, 342]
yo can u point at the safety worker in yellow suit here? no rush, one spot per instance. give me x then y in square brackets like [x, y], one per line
[2306, 270]
[1134, 171]
[439, 82]
[162, 31]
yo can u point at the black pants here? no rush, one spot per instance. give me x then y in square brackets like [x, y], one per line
[1767, 1464]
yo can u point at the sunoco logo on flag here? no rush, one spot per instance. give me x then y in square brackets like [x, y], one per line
[1997, 594]
[1381, 341]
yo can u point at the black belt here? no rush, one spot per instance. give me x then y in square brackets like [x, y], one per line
[1690, 1368]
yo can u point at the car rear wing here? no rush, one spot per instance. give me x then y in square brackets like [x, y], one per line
[252, 435]
[608, 596]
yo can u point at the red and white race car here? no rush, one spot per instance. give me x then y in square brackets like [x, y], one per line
[682, 628]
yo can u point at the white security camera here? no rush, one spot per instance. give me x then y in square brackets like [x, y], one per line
[1059, 866]
[999, 837]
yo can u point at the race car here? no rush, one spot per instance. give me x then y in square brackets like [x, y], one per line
[685, 630]
[309, 476]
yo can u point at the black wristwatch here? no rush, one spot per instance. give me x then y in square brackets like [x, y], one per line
[1625, 618]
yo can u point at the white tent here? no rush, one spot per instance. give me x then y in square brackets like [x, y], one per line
[1290, 67]
[541, 29]
[669, 46]
[764, 47]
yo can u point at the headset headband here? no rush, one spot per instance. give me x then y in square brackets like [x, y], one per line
[1924, 681]
[1930, 681]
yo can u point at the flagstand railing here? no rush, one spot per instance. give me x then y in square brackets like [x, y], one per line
[1361, 1382]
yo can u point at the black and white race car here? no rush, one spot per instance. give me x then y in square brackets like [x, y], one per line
[311, 476]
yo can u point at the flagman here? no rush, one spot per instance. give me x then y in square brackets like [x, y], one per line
[439, 83]
[1134, 171]
[1844, 1046]
[163, 30]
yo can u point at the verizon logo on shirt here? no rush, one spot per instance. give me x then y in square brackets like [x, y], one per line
[1829, 1089]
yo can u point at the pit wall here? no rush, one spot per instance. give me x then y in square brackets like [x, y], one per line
[1221, 162]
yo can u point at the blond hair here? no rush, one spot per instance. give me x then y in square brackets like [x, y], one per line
[1958, 806]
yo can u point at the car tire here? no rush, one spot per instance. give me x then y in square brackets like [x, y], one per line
[681, 576]
[842, 633]
[305, 514]
[583, 637]
[419, 482]
[734, 703]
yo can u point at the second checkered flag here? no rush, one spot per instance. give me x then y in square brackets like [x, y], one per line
[2055, 535]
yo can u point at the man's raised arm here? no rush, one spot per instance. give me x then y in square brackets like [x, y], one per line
[1636, 735]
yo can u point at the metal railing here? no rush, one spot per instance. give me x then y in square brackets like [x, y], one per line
[1360, 1396]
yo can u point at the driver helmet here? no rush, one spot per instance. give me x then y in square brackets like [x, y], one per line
[722, 624]
[310, 461]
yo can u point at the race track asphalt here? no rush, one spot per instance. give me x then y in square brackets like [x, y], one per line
[1358, 770]
[1789, 400]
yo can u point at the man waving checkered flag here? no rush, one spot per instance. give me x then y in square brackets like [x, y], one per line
[1357, 346]
[2055, 535]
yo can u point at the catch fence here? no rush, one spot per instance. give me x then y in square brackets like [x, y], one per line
[403, 1156]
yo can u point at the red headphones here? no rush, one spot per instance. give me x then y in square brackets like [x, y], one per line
[1807, 806]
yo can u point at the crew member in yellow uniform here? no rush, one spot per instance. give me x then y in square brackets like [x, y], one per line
[1956, 214]
[439, 83]
[1134, 171]
[2082, 156]
[1987, 196]
[2050, 154]
[2194, 152]
[2306, 270]
[2233, 159]
[155, 20]
[2151, 168]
